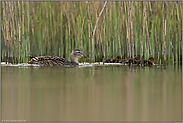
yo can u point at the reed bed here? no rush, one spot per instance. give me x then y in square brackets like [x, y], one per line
[100, 29]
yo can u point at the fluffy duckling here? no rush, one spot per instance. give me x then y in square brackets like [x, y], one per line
[117, 59]
[148, 62]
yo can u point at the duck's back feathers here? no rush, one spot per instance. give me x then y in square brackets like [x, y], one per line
[49, 61]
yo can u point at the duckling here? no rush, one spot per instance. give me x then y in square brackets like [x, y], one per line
[117, 59]
[109, 60]
[58, 61]
[148, 62]
[136, 59]
[151, 61]
[124, 61]
[113, 60]
[130, 60]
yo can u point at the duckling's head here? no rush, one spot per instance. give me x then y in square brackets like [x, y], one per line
[75, 55]
[151, 59]
[137, 58]
[118, 58]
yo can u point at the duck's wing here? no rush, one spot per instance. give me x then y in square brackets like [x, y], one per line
[49, 61]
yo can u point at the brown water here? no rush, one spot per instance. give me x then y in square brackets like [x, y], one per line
[91, 94]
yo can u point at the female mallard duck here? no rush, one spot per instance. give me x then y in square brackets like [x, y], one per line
[58, 61]
[148, 62]
[117, 59]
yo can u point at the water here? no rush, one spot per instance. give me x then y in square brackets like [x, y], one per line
[111, 93]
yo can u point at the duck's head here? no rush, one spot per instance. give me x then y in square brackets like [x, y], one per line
[75, 55]
[151, 59]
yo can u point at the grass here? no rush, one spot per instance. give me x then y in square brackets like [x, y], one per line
[56, 28]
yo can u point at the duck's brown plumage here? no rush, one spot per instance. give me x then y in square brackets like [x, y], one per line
[58, 61]
[50, 61]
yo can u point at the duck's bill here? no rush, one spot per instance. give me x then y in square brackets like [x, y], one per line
[155, 61]
[84, 57]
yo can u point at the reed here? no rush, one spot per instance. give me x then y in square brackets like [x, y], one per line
[8, 29]
[4, 33]
[99, 29]
[121, 27]
[89, 26]
[128, 24]
[132, 6]
[104, 32]
[144, 15]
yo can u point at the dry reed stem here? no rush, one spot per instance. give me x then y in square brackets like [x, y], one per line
[175, 54]
[104, 36]
[132, 30]
[147, 35]
[4, 31]
[19, 25]
[110, 32]
[48, 30]
[127, 33]
[8, 29]
[10, 33]
[51, 41]
[122, 27]
[148, 39]
[89, 26]
[12, 25]
[144, 14]
[119, 42]
[164, 35]
[16, 29]
[114, 41]
[23, 13]
[165, 45]
[74, 26]
[157, 48]
[28, 38]
[68, 17]
[54, 35]
[95, 30]
[150, 7]
[100, 41]
[96, 36]
[129, 25]
[121, 30]
[179, 30]
[81, 39]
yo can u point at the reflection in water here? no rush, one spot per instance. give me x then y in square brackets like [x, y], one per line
[91, 94]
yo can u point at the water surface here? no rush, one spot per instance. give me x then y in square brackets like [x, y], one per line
[111, 93]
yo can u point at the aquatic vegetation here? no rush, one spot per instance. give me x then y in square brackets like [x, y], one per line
[124, 28]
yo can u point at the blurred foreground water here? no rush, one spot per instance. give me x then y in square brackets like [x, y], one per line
[98, 93]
